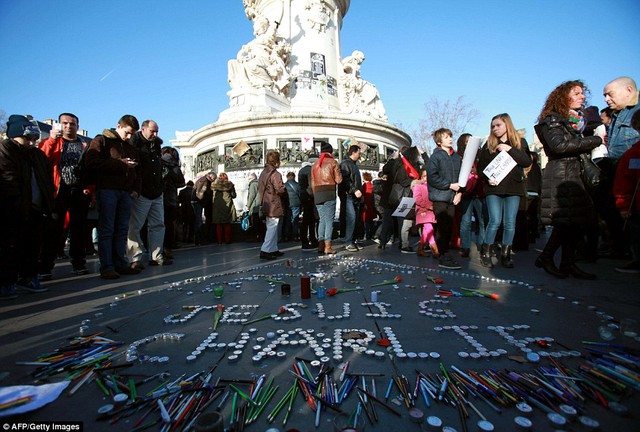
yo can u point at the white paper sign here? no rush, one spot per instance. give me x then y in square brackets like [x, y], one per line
[306, 142]
[468, 159]
[405, 206]
[499, 167]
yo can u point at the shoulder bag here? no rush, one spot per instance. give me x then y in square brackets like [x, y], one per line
[589, 172]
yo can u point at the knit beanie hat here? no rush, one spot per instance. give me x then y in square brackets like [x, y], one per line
[19, 125]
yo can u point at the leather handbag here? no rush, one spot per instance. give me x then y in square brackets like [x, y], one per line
[589, 172]
[397, 193]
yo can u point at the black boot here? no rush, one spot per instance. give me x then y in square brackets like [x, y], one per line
[485, 256]
[576, 272]
[568, 261]
[506, 256]
[549, 266]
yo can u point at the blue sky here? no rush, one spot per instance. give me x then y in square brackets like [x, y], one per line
[167, 60]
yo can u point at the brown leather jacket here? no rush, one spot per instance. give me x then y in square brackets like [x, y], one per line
[324, 179]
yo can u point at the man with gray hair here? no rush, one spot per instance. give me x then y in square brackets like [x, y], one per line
[621, 95]
[147, 204]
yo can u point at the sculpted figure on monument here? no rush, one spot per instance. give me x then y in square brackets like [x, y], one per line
[358, 95]
[319, 14]
[262, 63]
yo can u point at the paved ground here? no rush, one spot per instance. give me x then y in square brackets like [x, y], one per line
[165, 300]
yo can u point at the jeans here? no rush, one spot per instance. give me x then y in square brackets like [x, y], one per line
[351, 210]
[152, 211]
[406, 225]
[271, 237]
[469, 206]
[290, 223]
[114, 211]
[387, 226]
[327, 212]
[502, 209]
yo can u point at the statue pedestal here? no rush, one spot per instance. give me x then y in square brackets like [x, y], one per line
[255, 101]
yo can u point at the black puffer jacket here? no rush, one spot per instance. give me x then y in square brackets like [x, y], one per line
[564, 198]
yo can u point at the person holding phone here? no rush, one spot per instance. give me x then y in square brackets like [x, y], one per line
[148, 203]
[112, 160]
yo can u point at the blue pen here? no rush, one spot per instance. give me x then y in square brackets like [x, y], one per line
[424, 394]
[386, 396]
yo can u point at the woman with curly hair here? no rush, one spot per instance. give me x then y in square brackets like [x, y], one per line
[224, 211]
[503, 199]
[566, 205]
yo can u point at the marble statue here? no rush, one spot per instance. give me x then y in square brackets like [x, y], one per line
[262, 63]
[358, 95]
[319, 14]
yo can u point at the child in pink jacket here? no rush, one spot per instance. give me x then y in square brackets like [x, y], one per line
[424, 216]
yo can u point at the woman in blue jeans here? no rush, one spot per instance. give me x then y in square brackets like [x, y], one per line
[502, 194]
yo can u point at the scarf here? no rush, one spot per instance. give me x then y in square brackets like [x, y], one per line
[576, 120]
[322, 157]
[411, 171]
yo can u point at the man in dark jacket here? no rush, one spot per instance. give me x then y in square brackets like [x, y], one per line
[26, 200]
[112, 160]
[310, 217]
[443, 171]
[147, 205]
[351, 190]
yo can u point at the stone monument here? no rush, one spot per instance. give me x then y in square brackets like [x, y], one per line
[291, 90]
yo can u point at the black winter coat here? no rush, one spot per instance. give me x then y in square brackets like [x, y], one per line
[149, 170]
[17, 163]
[564, 198]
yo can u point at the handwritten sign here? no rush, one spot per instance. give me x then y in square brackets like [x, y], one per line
[499, 167]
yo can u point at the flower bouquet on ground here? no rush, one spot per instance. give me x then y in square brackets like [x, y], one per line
[395, 280]
[435, 280]
[272, 280]
[479, 293]
[334, 291]
[267, 316]
[217, 315]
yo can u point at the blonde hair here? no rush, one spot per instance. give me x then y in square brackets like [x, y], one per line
[512, 134]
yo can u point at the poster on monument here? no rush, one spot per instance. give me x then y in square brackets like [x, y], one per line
[306, 142]
[468, 159]
[499, 167]
[405, 206]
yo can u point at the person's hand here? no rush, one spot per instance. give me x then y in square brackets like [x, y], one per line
[357, 193]
[454, 187]
[493, 182]
[503, 147]
[130, 163]
[134, 195]
[457, 198]
[625, 214]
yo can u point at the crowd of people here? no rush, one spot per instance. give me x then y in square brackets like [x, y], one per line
[587, 194]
